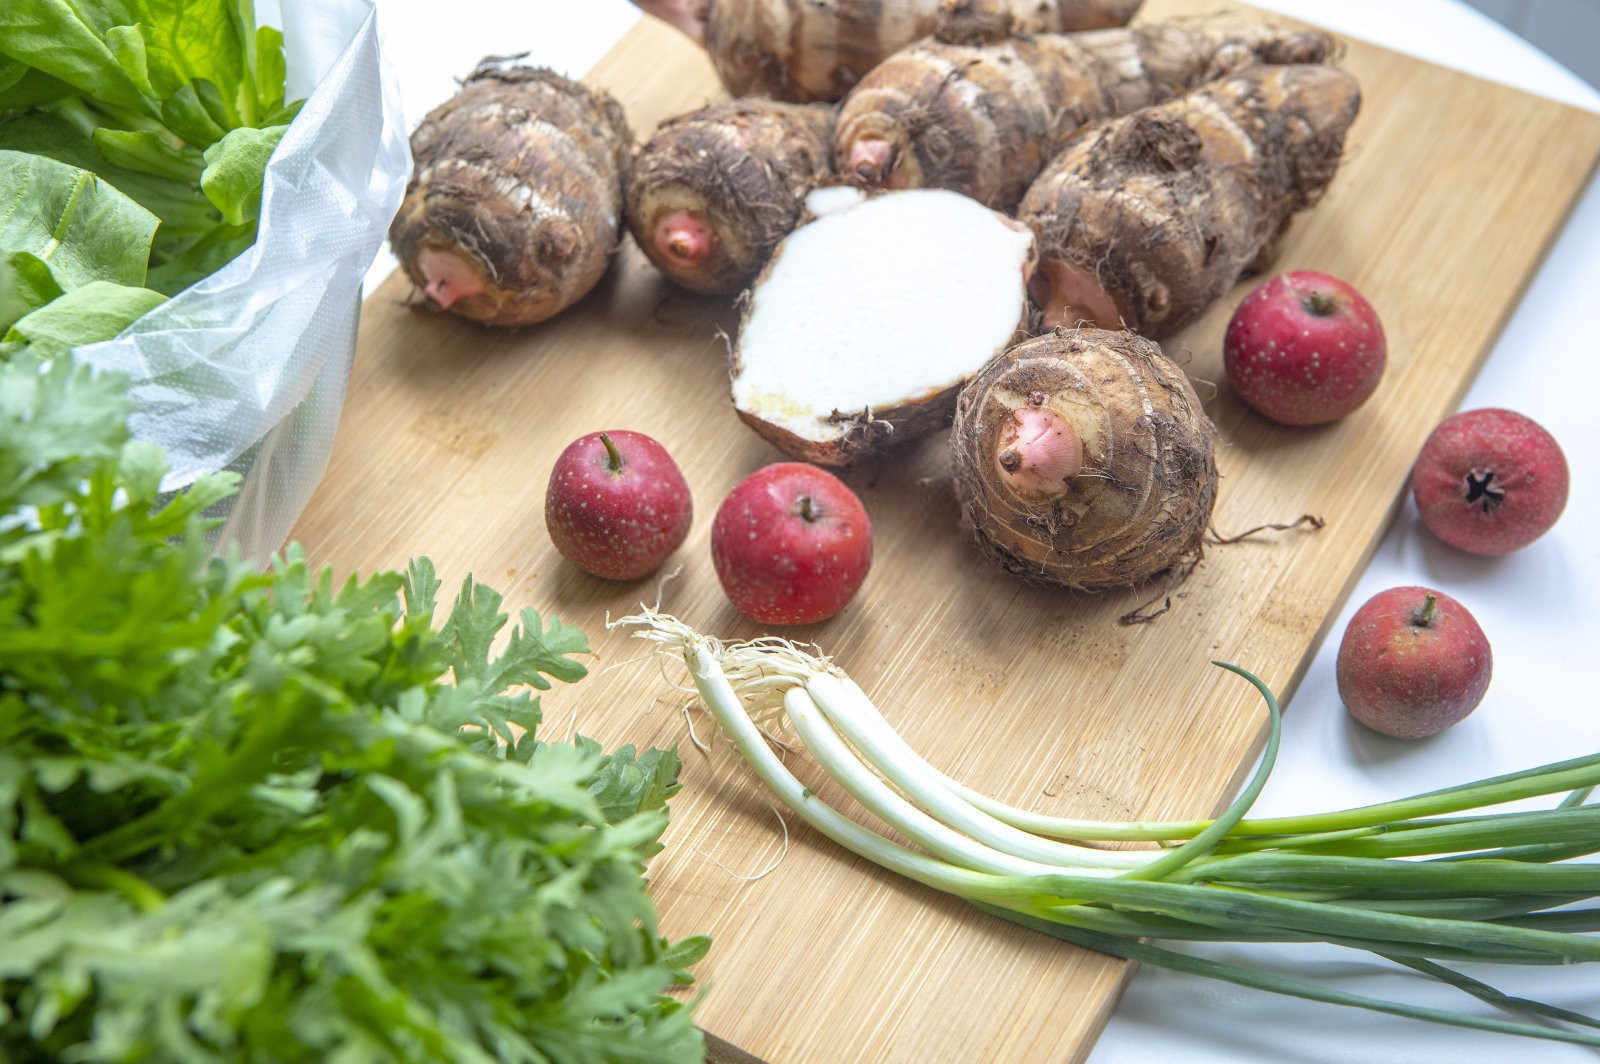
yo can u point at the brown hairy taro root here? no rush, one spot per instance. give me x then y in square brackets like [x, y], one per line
[816, 49]
[984, 119]
[1082, 458]
[1147, 220]
[976, 21]
[713, 191]
[869, 319]
[515, 202]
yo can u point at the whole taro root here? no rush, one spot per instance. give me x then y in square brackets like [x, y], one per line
[984, 117]
[1083, 458]
[816, 49]
[1147, 220]
[515, 203]
[713, 192]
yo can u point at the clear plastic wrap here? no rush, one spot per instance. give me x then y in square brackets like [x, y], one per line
[246, 370]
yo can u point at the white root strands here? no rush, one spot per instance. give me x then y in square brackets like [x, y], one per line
[772, 866]
[704, 655]
[760, 670]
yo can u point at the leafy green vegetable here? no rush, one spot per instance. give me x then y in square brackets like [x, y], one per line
[79, 226]
[11, 72]
[97, 311]
[26, 284]
[176, 104]
[240, 817]
[72, 255]
[235, 166]
[68, 43]
[54, 134]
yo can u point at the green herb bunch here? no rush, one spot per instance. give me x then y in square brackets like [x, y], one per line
[134, 134]
[243, 816]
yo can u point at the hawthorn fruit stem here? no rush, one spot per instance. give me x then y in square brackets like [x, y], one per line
[613, 456]
[1319, 303]
[1423, 618]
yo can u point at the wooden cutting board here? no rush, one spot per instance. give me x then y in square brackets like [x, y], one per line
[1450, 193]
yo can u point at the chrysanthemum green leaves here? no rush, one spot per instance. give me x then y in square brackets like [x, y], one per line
[271, 815]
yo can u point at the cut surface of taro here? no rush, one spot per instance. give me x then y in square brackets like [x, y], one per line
[870, 318]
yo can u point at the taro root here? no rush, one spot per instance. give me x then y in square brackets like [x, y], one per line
[816, 49]
[983, 119]
[714, 191]
[1083, 458]
[869, 319]
[1145, 221]
[515, 203]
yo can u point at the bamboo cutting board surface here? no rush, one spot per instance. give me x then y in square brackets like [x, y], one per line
[1451, 191]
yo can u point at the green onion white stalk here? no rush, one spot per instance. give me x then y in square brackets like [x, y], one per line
[1491, 889]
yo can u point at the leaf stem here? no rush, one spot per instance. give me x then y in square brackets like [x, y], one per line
[1174, 960]
[1484, 992]
[1529, 783]
[98, 875]
[1577, 797]
[1207, 840]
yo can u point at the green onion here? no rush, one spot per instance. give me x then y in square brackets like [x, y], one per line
[1350, 878]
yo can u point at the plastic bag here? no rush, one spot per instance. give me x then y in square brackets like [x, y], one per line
[246, 370]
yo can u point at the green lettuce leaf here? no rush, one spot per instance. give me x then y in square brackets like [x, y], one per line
[146, 151]
[97, 311]
[34, 89]
[183, 215]
[235, 168]
[26, 284]
[189, 42]
[67, 41]
[78, 225]
[188, 261]
[178, 104]
[271, 72]
[11, 72]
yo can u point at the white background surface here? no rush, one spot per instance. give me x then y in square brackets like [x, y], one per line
[1539, 607]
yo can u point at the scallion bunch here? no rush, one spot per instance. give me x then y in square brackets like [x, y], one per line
[1427, 882]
